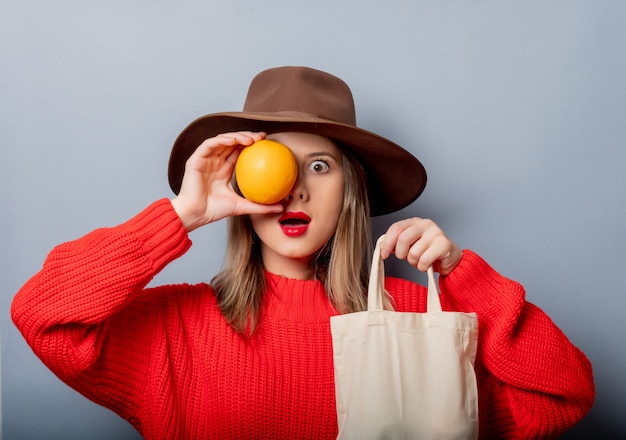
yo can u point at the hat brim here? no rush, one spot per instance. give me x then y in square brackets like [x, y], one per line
[395, 178]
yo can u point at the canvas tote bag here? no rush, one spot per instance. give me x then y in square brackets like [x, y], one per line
[405, 375]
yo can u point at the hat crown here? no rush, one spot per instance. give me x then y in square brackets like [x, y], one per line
[301, 90]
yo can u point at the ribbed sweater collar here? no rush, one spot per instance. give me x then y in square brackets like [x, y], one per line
[294, 300]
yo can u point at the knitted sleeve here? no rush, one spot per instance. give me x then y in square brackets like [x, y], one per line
[544, 380]
[64, 309]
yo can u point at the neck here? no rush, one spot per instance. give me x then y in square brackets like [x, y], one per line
[296, 268]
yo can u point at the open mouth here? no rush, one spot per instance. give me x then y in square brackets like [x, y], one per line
[294, 224]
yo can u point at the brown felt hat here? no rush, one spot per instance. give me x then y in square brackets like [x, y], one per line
[311, 101]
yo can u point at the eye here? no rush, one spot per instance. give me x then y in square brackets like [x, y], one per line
[319, 166]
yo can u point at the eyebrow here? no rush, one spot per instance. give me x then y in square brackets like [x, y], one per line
[321, 153]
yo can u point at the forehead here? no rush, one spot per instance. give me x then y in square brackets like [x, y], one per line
[304, 143]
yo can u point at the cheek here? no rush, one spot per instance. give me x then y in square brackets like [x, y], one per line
[261, 224]
[337, 196]
[333, 201]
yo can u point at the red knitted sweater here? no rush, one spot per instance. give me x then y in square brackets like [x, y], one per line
[164, 358]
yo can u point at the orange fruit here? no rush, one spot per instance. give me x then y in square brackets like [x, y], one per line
[266, 171]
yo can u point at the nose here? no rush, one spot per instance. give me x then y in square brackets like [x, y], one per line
[298, 191]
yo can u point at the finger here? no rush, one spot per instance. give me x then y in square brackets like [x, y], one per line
[232, 157]
[389, 244]
[241, 140]
[410, 243]
[211, 148]
[254, 135]
[410, 237]
[244, 138]
[416, 251]
[432, 253]
[223, 143]
[248, 207]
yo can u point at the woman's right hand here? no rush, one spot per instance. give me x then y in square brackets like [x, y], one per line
[206, 194]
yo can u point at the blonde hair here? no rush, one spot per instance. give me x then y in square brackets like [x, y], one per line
[342, 265]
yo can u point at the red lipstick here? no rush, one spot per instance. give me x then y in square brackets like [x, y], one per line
[294, 224]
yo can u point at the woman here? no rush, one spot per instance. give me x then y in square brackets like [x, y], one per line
[250, 356]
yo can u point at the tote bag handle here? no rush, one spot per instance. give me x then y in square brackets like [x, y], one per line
[377, 284]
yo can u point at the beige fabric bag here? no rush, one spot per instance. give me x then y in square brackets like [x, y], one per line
[405, 375]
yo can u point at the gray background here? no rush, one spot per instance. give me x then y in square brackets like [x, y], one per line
[517, 109]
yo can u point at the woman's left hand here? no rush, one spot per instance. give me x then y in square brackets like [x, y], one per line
[423, 244]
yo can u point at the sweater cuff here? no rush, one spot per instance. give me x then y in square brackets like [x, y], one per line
[161, 233]
[474, 286]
